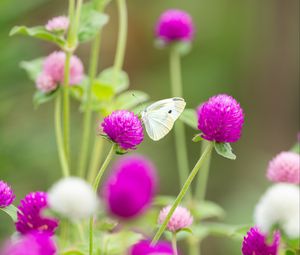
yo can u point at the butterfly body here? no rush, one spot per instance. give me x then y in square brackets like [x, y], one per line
[160, 116]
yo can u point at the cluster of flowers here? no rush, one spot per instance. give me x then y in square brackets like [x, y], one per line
[280, 206]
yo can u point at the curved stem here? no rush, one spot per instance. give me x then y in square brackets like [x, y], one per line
[179, 129]
[95, 186]
[122, 37]
[59, 137]
[174, 244]
[183, 191]
[203, 175]
[88, 113]
[95, 159]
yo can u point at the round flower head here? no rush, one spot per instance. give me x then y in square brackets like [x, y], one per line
[130, 188]
[33, 244]
[54, 66]
[30, 215]
[7, 195]
[180, 219]
[123, 128]
[279, 205]
[58, 24]
[175, 25]
[256, 243]
[73, 198]
[285, 167]
[144, 247]
[45, 83]
[221, 119]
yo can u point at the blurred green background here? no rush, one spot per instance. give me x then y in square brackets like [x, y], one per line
[248, 48]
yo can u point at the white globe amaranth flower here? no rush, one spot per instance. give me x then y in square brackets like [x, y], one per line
[279, 205]
[73, 198]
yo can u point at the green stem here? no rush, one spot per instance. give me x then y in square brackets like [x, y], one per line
[203, 175]
[66, 104]
[95, 186]
[183, 191]
[59, 137]
[179, 129]
[122, 37]
[95, 159]
[174, 243]
[88, 113]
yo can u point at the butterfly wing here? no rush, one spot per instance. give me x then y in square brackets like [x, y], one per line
[160, 117]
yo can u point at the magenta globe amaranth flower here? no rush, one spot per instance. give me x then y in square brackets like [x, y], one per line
[54, 66]
[124, 128]
[180, 219]
[221, 119]
[285, 167]
[58, 24]
[130, 188]
[7, 195]
[256, 243]
[30, 216]
[175, 25]
[31, 244]
[144, 248]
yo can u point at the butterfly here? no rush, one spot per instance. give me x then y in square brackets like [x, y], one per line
[160, 116]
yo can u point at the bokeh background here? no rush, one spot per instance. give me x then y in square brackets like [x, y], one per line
[248, 48]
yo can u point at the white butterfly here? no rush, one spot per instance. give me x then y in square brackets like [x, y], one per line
[160, 116]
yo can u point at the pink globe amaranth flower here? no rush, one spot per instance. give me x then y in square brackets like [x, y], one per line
[144, 247]
[256, 243]
[58, 24]
[54, 66]
[123, 128]
[180, 219]
[7, 195]
[285, 167]
[30, 215]
[130, 188]
[221, 119]
[45, 83]
[175, 25]
[31, 244]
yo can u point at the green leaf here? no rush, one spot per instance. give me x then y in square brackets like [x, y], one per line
[73, 252]
[11, 211]
[189, 117]
[91, 21]
[130, 99]
[187, 230]
[33, 68]
[225, 150]
[119, 81]
[290, 252]
[296, 148]
[102, 91]
[197, 138]
[38, 32]
[77, 91]
[207, 209]
[41, 97]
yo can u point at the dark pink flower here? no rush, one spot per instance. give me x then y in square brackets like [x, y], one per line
[123, 128]
[175, 25]
[285, 167]
[256, 243]
[221, 119]
[130, 188]
[30, 216]
[31, 244]
[144, 248]
[7, 195]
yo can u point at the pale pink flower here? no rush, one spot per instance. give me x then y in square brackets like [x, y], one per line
[285, 167]
[45, 83]
[54, 66]
[180, 219]
[58, 24]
